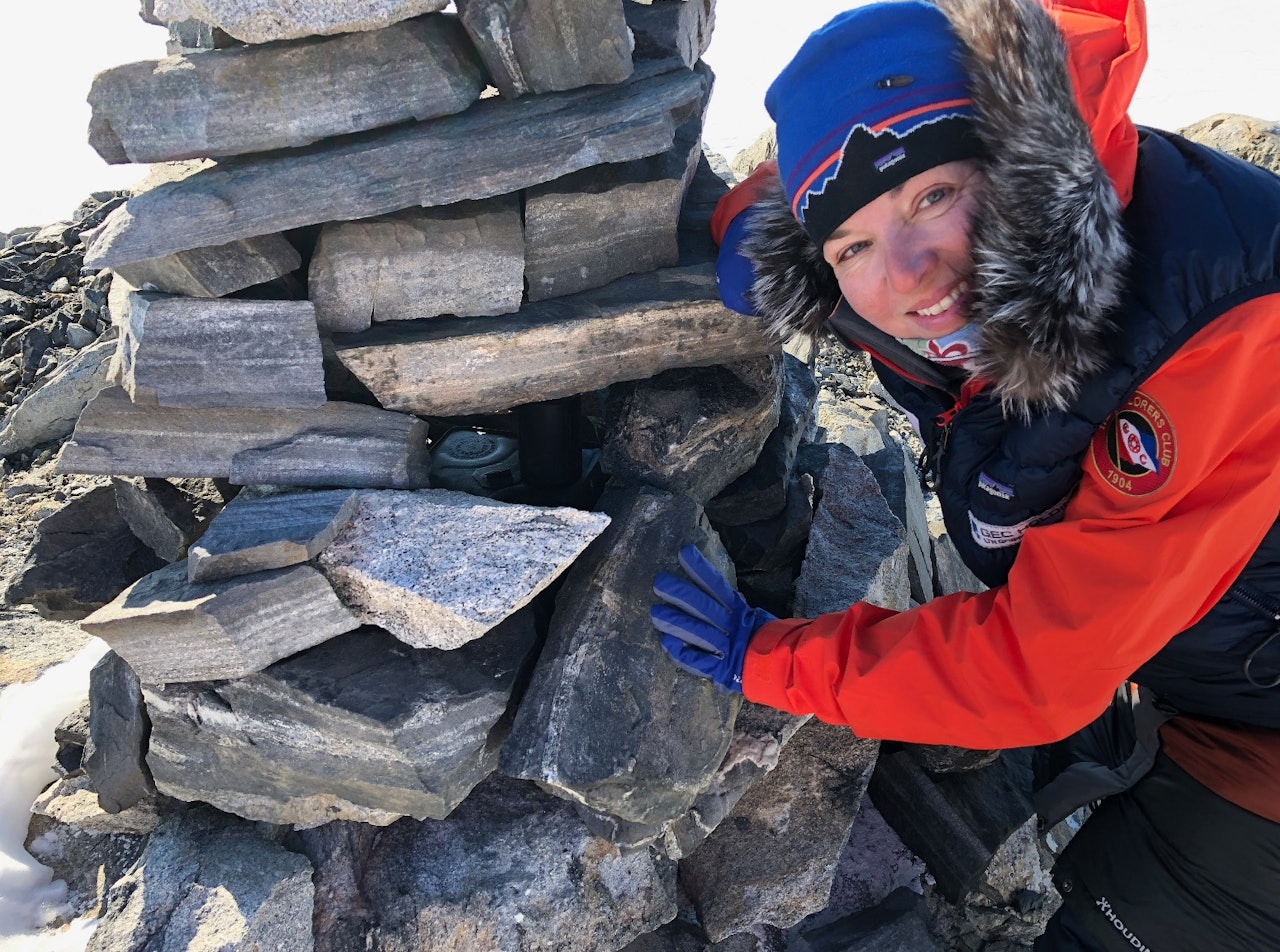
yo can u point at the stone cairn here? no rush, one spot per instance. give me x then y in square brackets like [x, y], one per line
[429, 296]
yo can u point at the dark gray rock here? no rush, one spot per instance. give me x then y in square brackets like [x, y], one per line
[511, 868]
[540, 46]
[643, 753]
[216, 270]
[206, 880]
[857, 548]
[362, 727]
[170, 630]
[432, 163]
[339, 444]
[761, 492]
[258, 98]
[160, 514]
[899, 481]
[692, 431]
[119, 729]
[198, 352]
[269, 532]
[776, 543]
[664, 29]
[465, 259]
[593, 226]
[773, 860]
[630, 329]
[899, 924]
[81, 558]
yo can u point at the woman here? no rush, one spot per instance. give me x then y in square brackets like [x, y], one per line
[1084, 320]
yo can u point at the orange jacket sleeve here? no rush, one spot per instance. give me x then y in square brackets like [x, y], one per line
[1088, 600]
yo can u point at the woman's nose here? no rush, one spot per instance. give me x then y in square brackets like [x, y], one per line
[908, 263]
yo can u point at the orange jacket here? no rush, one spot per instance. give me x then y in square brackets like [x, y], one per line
[1093, 597]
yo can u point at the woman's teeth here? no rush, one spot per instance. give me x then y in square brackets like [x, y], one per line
[946, 302]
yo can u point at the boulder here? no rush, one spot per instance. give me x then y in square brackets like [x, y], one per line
[50, 412]
[286, 95]
[359, 728]
[262, 21]
[116, 751]
[338, 444]
[269, 532]
[899, 480]
[205, 880]
[170, 630]
[1257, 141]
[216, 270]
[692, 431]
[159, 514]
[465, 259]
[609, 721]
[540, 46]
[438, 568]
[511, 868]
[630, 329]
[774, 859]
[663, 29]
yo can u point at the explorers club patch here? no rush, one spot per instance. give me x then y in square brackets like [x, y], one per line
[1135, 449]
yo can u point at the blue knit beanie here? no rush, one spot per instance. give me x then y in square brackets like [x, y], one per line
[876, 96]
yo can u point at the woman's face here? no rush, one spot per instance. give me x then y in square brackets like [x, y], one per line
[903, 261]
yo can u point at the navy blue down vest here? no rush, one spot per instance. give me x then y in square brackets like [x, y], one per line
[1205, 229]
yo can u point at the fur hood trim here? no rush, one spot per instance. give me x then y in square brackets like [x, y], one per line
[1049, 247]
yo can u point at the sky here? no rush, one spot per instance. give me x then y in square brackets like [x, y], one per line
[51, 49]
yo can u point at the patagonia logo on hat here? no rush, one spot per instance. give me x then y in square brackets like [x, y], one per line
[890, 160]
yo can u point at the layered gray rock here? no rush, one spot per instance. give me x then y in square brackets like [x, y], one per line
[857, 548]
[51, 411]
[899, 481]
[692, 431]
[438, 568]
[258, 98]
[115, 754]
[629, 330]
[540, 46]
[170, 630]
[774, 860]
[433, 163]
[339, 444]
[761, 492]
[602, 223]
[207, 881]
[661, 29]
[269, 532]
[511, 868]
[193, 352]
[216, 270]
[643, 753]
[359, 728]
[465, 259]
[81, 558]
[159, 514]
[261, 21]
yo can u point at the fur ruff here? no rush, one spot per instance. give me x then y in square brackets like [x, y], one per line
[1049, 248]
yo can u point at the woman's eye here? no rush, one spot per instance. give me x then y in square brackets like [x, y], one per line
[849, 251]
[934, 196]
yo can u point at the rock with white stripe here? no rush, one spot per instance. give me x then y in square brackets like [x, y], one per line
[261, 21]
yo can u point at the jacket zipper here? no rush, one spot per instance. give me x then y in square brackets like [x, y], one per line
[1266, 609]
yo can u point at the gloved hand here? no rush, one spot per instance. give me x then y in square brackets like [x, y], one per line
[706, 626]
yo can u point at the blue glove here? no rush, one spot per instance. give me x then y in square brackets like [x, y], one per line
[706, 625]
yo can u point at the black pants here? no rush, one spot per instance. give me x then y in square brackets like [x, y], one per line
[1168, 866]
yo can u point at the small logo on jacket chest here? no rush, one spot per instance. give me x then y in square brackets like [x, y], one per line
[1134, 451]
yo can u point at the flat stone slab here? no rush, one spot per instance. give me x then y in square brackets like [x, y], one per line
[215, 271]
[339, 444]
[438, 162]
[466, 259]
[630, 329]
[261, 21]
[666, 28]
[548, 45]
[269, 532]
[258, 98]
[170, 630]
[362, 727]
[195, 352]
[439, 568]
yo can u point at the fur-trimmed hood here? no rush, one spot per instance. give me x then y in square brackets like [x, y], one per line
[1049, 248]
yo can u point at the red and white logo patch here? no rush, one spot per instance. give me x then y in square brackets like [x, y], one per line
[1134, 451]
